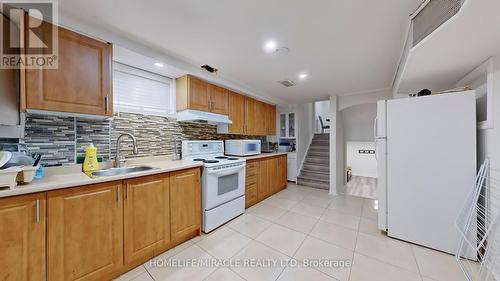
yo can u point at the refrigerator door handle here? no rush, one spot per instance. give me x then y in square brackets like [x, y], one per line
[376, 141]
[375, 128]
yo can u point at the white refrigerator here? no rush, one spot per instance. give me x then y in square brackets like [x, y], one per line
[426, 153]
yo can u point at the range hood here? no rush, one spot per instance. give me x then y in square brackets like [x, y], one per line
[11, 123]
[196, 115]
[10, 118]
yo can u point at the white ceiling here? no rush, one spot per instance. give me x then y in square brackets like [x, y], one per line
[346, 46]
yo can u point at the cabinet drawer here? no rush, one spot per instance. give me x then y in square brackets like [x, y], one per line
[251, 172]
[251, 196]
[251, 180]
[253, 164]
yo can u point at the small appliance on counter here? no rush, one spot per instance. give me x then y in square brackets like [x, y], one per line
[269, 147]
[242, 147]
[285, 147]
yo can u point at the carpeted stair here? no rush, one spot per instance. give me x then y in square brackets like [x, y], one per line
[316, 169]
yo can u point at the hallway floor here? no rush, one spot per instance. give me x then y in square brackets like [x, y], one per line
[306, 231]
[362, 187]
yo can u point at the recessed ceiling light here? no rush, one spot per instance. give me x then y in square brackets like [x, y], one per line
[302, 76]
[271, 46]
[158, 64]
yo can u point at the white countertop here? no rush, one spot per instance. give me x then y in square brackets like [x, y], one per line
[71, 176]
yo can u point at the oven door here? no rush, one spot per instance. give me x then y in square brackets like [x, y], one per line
[223, 185]
[251, 148]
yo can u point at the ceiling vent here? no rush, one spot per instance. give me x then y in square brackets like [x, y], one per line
[432, 16]
[210, 68]
[287, 83]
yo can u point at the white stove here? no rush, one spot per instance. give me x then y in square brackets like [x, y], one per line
[223, 182]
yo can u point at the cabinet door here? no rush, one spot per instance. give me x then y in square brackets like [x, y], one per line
[283, 125]
[218, 99]
[264, 180]
[85, 232]
[283, 174]
[80, 84]
[291, 125]
[22, 238]
[236, 112]
[185, 203]
[274, 171]
[250, 116]
[262, 118]
[146, 217]
[271, 125]
[198, 94]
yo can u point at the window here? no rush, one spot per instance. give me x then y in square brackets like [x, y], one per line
[139, 91]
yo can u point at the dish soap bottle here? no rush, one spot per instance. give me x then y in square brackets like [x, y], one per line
[90, 163]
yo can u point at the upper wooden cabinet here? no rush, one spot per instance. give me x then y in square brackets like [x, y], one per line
[85, 232]
[255, 117]
[185, 203]
[146, 217]
[271, 119]
[249, 116]
[218, 99]
[193, 93]
[22, 237]
[236, 112]
[81, 83]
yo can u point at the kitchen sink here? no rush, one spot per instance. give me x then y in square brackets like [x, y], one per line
[120, 171]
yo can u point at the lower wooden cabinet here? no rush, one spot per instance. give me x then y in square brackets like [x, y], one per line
[265, 177]
[185, 203]
[146, 217]
[97, 232]
[22, 237]
[85, 232]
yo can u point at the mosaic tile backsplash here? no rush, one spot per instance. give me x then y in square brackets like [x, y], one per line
[62, 139]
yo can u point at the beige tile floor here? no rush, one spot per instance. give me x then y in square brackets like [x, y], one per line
[295, 227]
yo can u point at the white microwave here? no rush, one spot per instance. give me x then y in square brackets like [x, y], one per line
[242, 147]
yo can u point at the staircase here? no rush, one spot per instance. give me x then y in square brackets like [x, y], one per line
[316, 169]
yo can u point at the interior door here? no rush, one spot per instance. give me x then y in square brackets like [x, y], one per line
[218, 99]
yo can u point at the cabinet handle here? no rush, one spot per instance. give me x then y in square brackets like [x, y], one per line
[126, 192]
[37, 210]
[118, 194]
[106, 103]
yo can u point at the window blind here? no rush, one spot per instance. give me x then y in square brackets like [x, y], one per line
[142, 92]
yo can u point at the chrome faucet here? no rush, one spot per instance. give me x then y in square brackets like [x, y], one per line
[118, 160]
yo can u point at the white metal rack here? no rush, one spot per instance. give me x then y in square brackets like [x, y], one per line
[478, 253]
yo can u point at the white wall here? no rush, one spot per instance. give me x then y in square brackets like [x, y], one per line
[364, 165]
[358, 121]
[304, 115]
[321, 108]
[364, 98]
[489, 139]
[336, 147]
